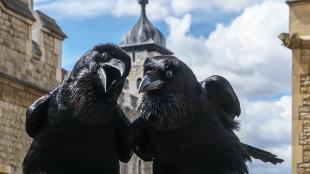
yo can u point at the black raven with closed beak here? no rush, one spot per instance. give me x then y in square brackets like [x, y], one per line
[186, 126]
[79, 128]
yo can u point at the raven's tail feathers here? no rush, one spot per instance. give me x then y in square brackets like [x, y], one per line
[262, 155]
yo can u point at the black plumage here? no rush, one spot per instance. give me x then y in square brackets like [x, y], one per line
[79, 127]
[186, 126]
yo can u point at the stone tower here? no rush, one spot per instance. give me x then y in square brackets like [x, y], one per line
[30, 66]
[298, 40]
[141, 41]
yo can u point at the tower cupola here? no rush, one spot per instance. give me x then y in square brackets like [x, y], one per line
[144, 32]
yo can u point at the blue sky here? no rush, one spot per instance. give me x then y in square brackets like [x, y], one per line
[237, 39]
[86, 30]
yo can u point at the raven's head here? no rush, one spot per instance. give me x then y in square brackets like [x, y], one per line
[96, 82]
[168, 86]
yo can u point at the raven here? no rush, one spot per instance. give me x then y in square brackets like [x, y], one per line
[79, 127]
[186, 126]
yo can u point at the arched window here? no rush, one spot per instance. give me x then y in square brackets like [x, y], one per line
[126, 84]
[133, 56]
[138, 82]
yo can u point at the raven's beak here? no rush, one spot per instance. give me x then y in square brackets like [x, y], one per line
[150, 82]
[110, 72]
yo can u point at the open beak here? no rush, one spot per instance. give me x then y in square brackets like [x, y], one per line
[150, 82]
[110, 72]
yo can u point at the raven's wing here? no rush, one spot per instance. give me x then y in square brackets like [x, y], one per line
[223, 97]
[36, 114]
[122, 138]
[140, 140]
[262, 155]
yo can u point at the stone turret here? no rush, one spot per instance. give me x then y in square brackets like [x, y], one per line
[47, 38]
[141, 41]
[144, 31]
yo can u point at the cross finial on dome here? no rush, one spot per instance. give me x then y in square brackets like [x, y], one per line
[143, 3]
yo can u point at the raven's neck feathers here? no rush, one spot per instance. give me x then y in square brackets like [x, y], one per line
[165, 112]
[88, 101]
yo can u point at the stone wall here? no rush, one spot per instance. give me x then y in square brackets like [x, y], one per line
[299, 41]
[16, 57]
[14, 99]
[23, 78]
[51, 60]
[301, 99]
[137, 70]
[25, 1]
[299, 16]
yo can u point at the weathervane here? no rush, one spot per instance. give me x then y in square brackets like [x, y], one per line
[143, 3]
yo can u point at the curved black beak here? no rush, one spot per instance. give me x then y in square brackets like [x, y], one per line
[110, 72]
[151, 82]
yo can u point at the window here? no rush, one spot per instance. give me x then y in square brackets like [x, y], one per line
[126, 84]
[138, 82]
[140, 167]
[133, 56]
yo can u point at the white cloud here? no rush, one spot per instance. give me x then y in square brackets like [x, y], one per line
[247, 52]
[75, 8]
[185, 6]
[267, 125]
[157, 10]
[181, 7]
[91, 8]
[41, 1]
[267, 121]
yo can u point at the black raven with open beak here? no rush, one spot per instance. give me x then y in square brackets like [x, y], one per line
[186, 126]
[79, 127]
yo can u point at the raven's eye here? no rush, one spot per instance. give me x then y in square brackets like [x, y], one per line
[104, 55]
[101, 57]
[169, 74]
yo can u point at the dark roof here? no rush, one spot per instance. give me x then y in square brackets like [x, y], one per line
[144, 31]
[148, 47]
[50, 23]
[36, 51]
[19, 8]
[294, 1]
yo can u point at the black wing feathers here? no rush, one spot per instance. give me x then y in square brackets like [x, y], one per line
[36, 114]
[221, 94]
[140, 140]
[262, 155]
[122, 137]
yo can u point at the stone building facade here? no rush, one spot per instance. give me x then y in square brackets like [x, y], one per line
[298, 40]
[30, 66]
